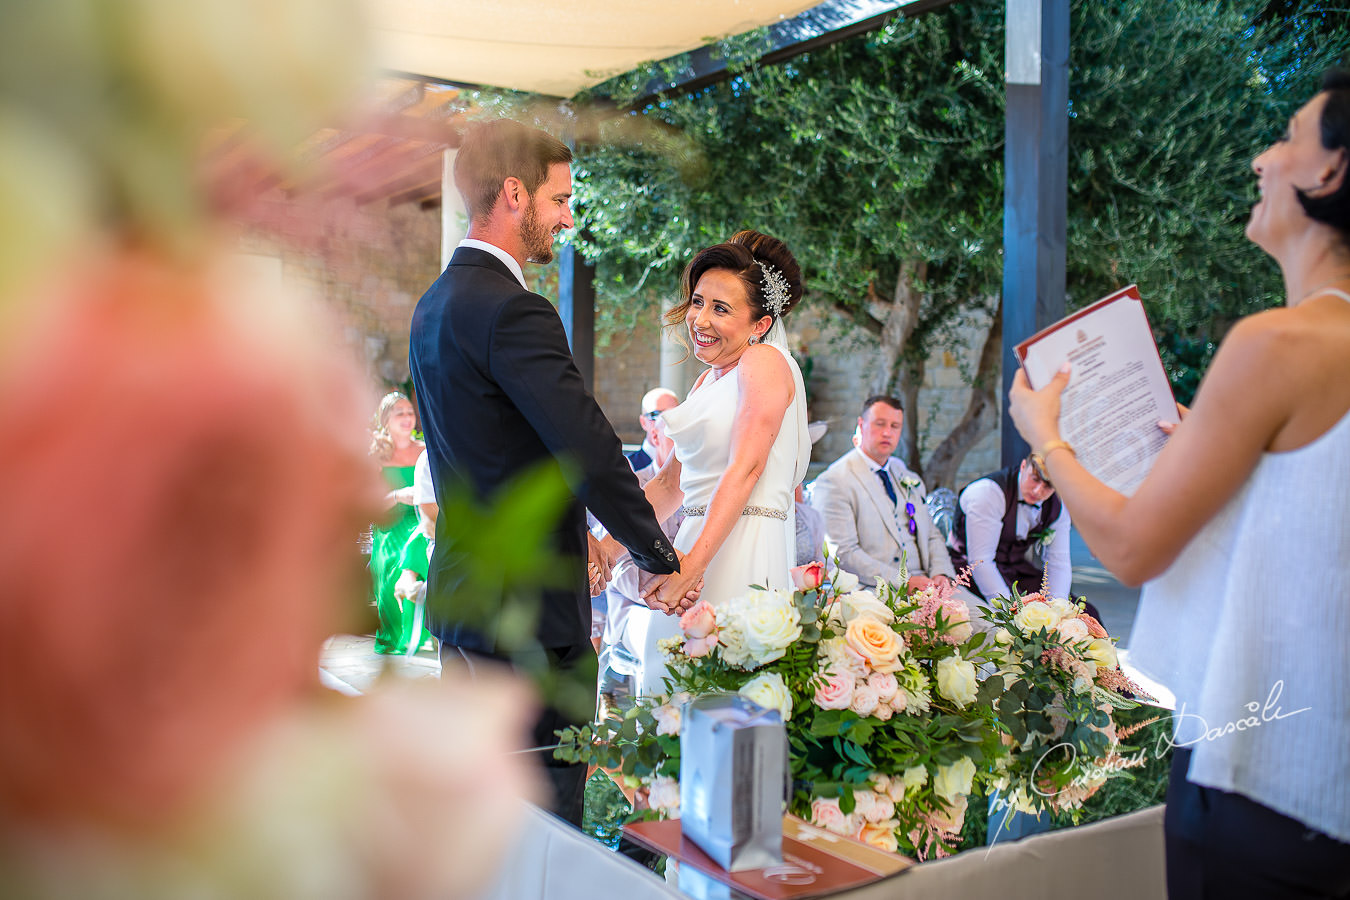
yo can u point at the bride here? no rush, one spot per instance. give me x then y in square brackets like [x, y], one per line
[741, 442]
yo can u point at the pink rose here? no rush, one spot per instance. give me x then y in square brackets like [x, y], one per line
[808, 577]
[899, 701]
[699, 620]
[884, 684]
[696, 647]
[864, 699]
[835, 691]
[825, 813]
[884, 711]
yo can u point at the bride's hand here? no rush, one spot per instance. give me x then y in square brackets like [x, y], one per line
[673, 594]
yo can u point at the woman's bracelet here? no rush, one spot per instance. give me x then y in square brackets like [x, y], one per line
[1052, 446]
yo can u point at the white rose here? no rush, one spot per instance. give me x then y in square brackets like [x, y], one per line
[1003, 636]
[769, 691]
[664, 796]
[1034, 616]
[1102, 652]
[770, 624]
[956, 680]
[1064, 609]
[1072, 629]
[842, 658]
[844, 582]
[667, 720]
[954, 780]
[865, 603]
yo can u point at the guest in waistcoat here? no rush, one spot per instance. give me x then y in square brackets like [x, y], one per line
[1010, 528]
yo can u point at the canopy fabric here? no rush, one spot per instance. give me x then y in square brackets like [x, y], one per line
[554, 47]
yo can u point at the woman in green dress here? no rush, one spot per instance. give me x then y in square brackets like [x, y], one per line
[393, 446]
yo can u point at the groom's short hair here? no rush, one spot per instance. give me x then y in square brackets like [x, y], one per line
[495, 151]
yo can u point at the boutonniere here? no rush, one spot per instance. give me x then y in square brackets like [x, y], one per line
[1042, 538]
[909, 482]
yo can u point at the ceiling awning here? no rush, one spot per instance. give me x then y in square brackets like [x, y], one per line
[557, 48]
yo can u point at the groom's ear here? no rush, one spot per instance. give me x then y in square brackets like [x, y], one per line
[514, 194]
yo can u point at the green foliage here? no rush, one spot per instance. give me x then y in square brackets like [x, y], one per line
[878, 160]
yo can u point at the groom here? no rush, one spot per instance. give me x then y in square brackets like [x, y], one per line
[498, 393]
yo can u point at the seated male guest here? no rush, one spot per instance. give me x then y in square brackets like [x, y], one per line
[1010, 528]
[874, 507]
[621, 650]
[656, 447]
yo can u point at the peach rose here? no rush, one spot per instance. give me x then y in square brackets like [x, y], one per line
[880, 835]
[699, 620]
[952, 819]
[808, 577]
[835, 691]
[1093, 626]
[875, 643]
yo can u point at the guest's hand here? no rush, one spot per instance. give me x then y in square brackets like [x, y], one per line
[919, 582]
[1168, 428]
[1036, 413]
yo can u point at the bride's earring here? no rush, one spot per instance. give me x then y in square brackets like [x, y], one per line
[754, 339]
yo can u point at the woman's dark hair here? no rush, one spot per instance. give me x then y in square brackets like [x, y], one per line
[1334, 208]
[741, 255]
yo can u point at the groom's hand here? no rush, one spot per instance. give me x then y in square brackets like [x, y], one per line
[671, 594]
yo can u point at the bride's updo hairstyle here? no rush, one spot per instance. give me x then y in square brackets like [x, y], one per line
[1333, 209]
[742, 255]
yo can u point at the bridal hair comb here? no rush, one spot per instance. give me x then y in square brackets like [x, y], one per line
[774, 289]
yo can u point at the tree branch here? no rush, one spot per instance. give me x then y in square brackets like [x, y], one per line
[981, 412]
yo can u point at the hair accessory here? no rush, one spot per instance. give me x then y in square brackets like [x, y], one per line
[774, 288]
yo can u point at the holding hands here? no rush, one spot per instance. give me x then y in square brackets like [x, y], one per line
[671, 594]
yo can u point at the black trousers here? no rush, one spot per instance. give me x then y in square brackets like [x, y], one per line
[567, 781]
[1226, 847]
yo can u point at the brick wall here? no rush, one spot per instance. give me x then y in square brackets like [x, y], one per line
[369, 264]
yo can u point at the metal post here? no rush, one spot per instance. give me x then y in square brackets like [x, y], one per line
[576, 305]
[1035, 164]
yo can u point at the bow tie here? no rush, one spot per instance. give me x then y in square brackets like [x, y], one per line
[1025, 503]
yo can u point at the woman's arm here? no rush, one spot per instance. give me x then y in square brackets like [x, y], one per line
[766, 389]
[1244, 399]
[663, 490]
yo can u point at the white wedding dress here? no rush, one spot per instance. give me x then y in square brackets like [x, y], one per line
[761, 548]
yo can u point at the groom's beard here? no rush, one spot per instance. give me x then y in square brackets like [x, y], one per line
[536, 239]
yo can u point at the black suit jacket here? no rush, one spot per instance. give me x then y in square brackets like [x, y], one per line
[498, 392]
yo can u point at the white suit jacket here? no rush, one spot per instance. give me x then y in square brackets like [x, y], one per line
[869, 532]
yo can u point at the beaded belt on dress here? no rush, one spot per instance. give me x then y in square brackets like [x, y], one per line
[748, 511]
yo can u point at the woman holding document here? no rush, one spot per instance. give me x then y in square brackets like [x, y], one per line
[1243, 525]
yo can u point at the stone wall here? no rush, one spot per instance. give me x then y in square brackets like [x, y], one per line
[370, 264]
[842, 360]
